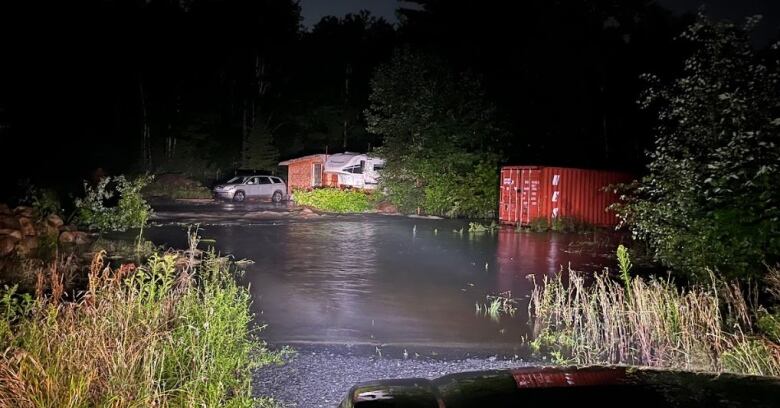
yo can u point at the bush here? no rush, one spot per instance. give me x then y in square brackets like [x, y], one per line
[175, 187]
[173, 332]
[334, 200]
[711, 199]
[539, 224]
[131, 211]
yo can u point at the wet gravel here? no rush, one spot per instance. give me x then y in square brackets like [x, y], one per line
[321, 377]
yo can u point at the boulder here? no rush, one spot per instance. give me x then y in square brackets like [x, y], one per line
[54, 220]
[67, 237]
[16, 235]
[23, 211]
[27, 226]
[9, 222]
[68, 228]
[80, 237]
[27, 245]
[6, 245]
[5, 210]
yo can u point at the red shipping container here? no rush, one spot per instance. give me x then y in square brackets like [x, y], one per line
[532, 192]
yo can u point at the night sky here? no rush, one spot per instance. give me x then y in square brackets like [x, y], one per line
[314, 10]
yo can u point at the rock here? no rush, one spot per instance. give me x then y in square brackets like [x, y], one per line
[80, 237]
[5, 210]
[68, 228]
[67, 237]
[27, 226]
[307, 210]
[7, 245]
[23, 211]
[54, 220]
[9, 222]
[27, 245]
[10, 233]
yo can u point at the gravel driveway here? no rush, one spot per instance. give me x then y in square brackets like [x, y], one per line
[321, 377]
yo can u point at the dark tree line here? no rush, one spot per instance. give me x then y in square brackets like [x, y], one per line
[207, 86]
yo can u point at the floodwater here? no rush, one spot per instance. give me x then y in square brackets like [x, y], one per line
[387, 280]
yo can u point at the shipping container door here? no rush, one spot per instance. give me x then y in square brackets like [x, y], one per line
[508, 196]
[529, 195]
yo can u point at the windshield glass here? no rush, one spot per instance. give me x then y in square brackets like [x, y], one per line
[235, 180]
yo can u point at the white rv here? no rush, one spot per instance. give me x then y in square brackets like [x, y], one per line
[355, 169]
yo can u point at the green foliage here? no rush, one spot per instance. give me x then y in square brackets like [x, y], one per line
[476, 227]
[624, 265]
[439, 138]
[711, 198]
[769, 325]
[334, 200]
[173, 332]
[539, 224]
[259, 152]
[13, 306]
[44, 201]
[568, 224]
[131, 211]
[647, 322]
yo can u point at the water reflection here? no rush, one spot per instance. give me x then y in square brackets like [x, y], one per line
[384, 280]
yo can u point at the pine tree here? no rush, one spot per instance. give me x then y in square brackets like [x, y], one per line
[259, 152]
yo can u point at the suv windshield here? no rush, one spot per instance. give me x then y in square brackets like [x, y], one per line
[235, 180]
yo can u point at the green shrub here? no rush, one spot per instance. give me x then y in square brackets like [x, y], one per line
[131, 211]
[567, 224]
[711, 197]
[174, 332]
[539, 224]
[334, 200]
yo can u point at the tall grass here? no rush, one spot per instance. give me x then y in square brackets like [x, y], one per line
[647, 322]
[172, 332]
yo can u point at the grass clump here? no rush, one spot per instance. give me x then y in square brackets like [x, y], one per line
[334, 200]
[476, 227]
[173, 332]
[648, 322]
[539, 224]
[498, 305]
[568, 224]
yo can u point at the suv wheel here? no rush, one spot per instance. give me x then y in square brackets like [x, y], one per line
[277, 197]
[239, 196]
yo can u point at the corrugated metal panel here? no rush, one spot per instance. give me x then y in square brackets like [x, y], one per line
[530, 192]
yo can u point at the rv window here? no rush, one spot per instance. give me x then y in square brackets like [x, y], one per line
[378, 167]
[356, 169]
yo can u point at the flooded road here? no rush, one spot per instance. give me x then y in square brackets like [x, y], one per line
[387, 281]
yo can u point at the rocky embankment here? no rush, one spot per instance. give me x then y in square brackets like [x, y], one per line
[21, 232]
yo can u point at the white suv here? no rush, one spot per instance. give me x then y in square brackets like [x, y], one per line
[243, 187]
